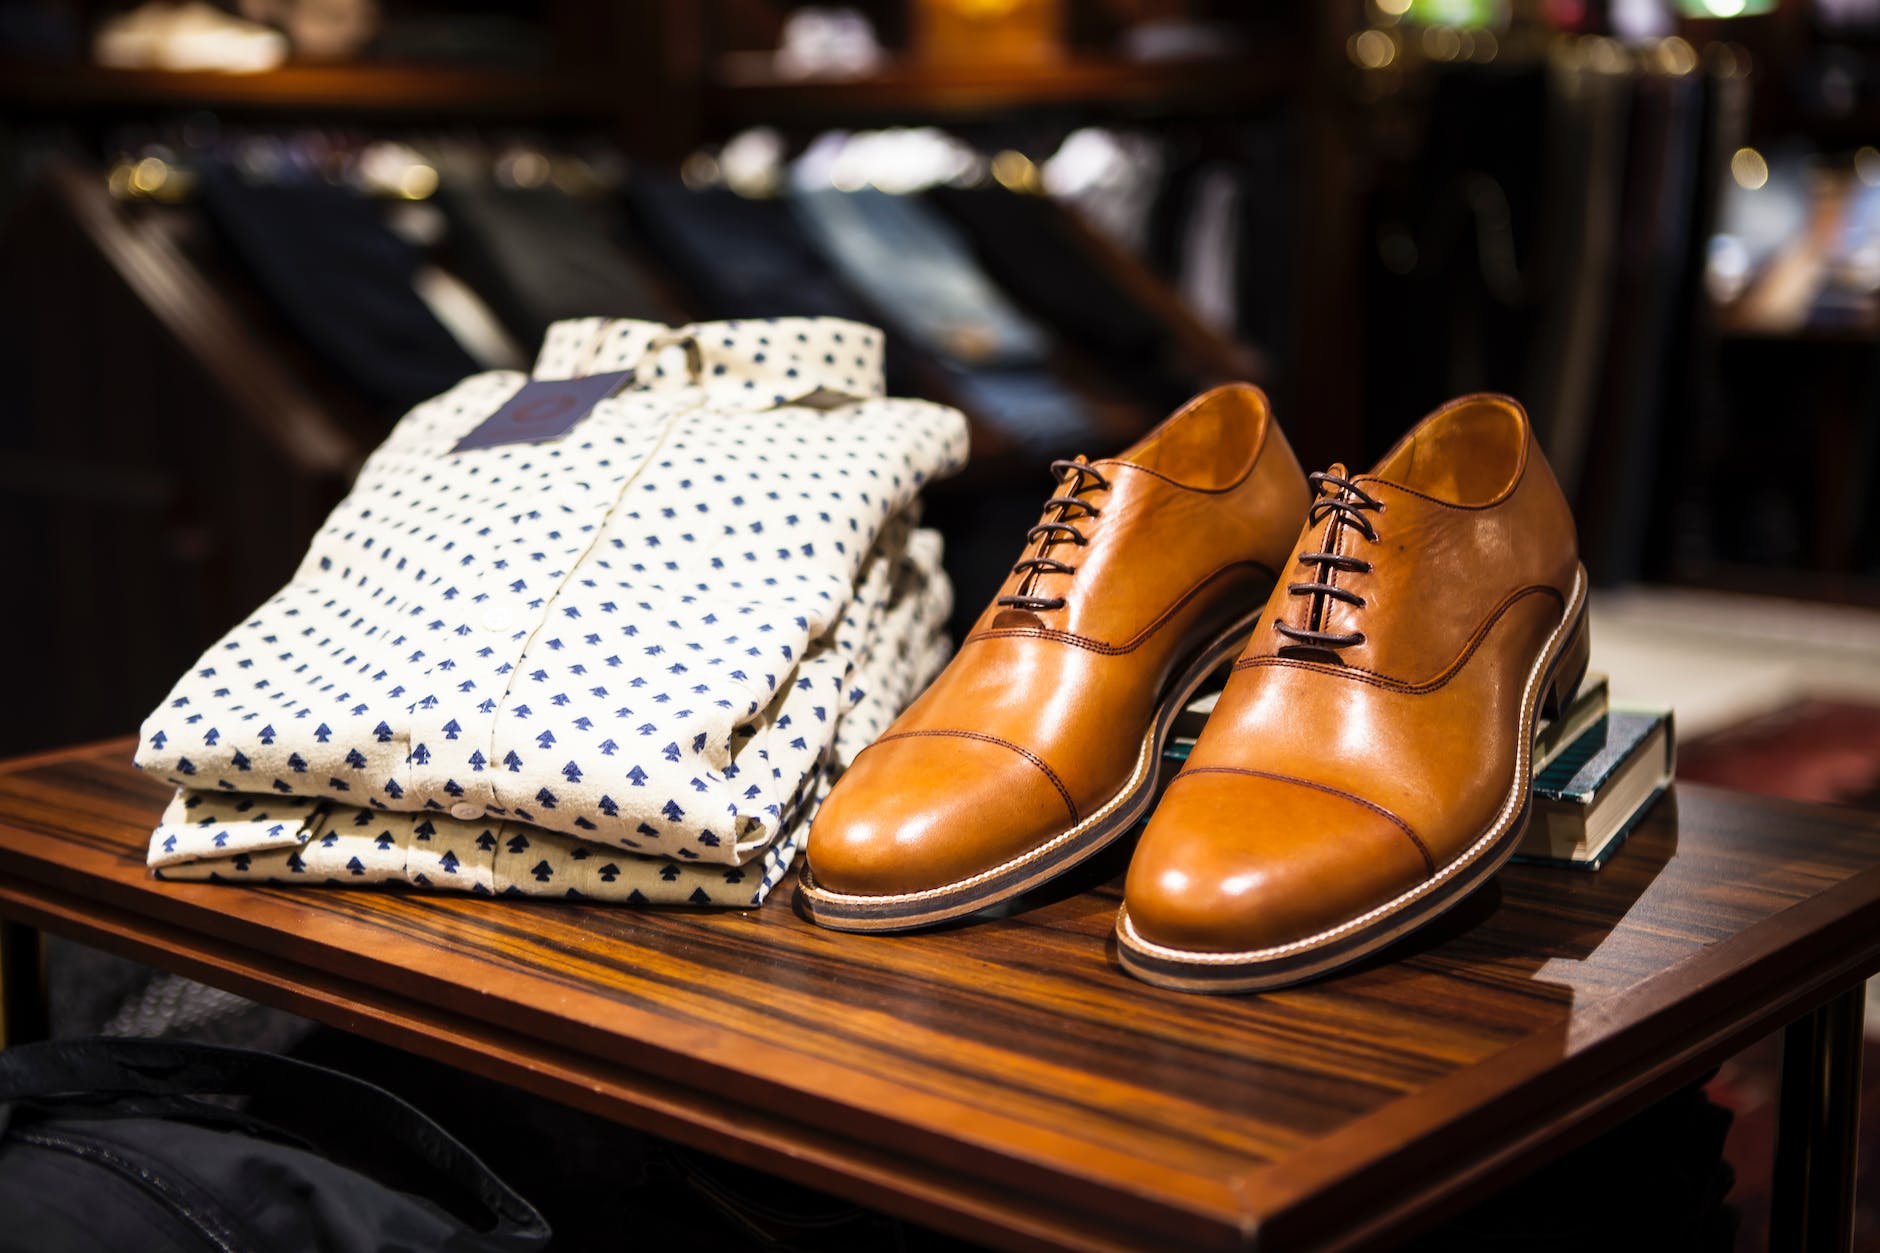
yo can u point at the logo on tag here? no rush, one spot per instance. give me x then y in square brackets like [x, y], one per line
[542, 410]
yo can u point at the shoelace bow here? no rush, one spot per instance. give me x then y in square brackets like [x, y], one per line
[1056, 530]
[1348, 502]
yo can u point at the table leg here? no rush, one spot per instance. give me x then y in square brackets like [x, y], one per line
[22, 984]
[1812, 1206]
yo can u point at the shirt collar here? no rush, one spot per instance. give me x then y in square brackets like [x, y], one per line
[767, 361]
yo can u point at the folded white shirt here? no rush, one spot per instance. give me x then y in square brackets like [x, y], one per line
[600, 636]
[888, 645]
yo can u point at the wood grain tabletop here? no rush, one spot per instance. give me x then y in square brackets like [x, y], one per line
[1002, 1078]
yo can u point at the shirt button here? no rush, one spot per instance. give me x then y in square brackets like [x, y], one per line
[466, 811]
[498, 619]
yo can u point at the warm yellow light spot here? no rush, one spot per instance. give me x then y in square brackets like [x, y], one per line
[529, 169]
[149, 175]
[1394, 8]
[984, 10]
[1867, 166]
[699, 170]
[1016, 172]
[1372, 49]
[1749, 169]
[1607, 55]
[418, 181]
[1726, 8]
[1487, 47]
[1441, 43]
[1676, 56]
[119, 182]
[1731, 60]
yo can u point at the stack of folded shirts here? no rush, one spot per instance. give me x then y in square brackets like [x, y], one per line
[622, 663]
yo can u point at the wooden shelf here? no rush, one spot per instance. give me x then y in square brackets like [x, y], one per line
[340, 88]
[1865, 337]
[746, 89]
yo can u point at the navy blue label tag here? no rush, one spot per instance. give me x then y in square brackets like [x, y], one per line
[544, 409]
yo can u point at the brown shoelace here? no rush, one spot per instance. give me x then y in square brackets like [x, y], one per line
[1348, 501]
[1056, 530]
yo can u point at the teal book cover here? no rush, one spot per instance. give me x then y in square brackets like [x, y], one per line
[1583, 767]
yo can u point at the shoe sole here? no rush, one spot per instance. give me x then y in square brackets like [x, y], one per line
[842, 911]
[1555, 677]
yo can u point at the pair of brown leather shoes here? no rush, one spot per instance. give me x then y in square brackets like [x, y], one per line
[1368, 763]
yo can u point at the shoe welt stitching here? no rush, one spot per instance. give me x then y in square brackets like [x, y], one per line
[1510, 807]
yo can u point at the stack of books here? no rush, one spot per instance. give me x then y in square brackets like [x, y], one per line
[1597, 770]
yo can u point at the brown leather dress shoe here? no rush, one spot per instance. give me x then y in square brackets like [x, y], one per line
[1368, 764]
[1041, 740]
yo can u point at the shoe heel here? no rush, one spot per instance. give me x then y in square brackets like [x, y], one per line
[1568, 671]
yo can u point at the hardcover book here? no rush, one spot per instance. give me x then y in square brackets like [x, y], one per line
[1588, 707]
[1592, 793]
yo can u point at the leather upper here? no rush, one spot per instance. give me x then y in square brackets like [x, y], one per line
[1332, 777]
[1040, 718]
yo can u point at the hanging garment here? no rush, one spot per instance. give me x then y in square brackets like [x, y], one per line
[920, 271]
[742, 257]
[1026, 245]
[541, 256]
[643, 636]
[912, 264]
[342, 278]
[1211, 251]
[1112, 179]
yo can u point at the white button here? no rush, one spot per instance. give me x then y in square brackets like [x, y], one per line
[466, 811]
[498, 619]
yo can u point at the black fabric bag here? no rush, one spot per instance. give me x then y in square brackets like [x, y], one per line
[109, 1145]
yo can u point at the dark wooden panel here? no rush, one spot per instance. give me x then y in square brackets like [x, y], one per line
[1004, 1078]
[417, 90]
[746, 90]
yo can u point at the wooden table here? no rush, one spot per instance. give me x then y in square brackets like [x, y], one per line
[1005, 1080]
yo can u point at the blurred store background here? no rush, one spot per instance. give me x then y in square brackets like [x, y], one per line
[238, 239]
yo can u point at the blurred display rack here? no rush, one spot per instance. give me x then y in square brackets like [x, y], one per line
[746, 88]
[337, 88]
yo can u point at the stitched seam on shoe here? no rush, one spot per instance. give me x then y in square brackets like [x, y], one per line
[1361, 675]
[1142, 637]
[1528, 448]
[1145, 758]
[1497, 828]
[1246, 474]
[1022, 751]
[1500, 499]
[1429, 862]
[1266, 442]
